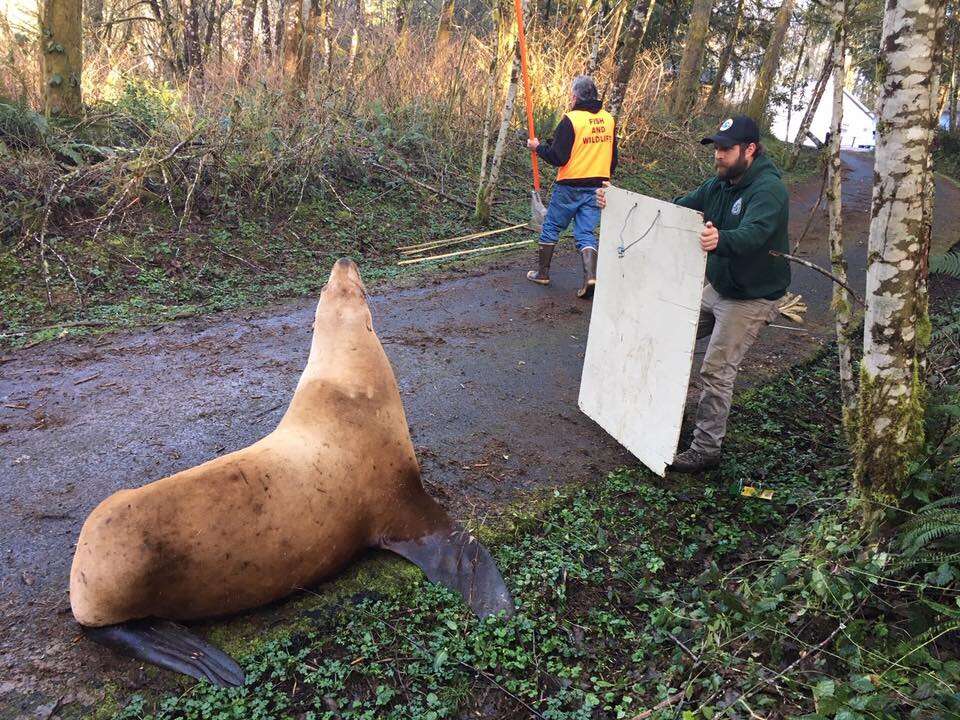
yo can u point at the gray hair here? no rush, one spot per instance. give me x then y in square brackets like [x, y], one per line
[584, 87]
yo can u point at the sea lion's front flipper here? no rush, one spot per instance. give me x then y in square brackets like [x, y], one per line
[170, 646]
[454, 558]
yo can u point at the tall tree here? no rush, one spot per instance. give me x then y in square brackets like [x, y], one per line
[724, 61]
[61, 56]
[688, 80]
[445, 23]
[248, 11]
[801, 57]
[490, 177]
[265, 23]
[757, 107]
[625, 55]
[896, 322]
[952, 90]
[812, 106]
[841, 297]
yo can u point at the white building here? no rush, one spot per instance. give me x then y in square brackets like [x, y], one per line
[858, 128]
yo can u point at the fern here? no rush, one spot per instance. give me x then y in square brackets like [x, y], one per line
[937, 522]
[947, 264]
[908, 648]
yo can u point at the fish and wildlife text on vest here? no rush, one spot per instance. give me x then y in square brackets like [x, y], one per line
[592, 151]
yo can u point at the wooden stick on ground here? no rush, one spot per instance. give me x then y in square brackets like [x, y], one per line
[489, 248]
[434, 244]
[435, 191]
[807, 263]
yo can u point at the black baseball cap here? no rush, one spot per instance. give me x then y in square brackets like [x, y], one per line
[734, 131]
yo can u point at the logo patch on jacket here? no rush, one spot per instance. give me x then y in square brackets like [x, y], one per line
[735, 210]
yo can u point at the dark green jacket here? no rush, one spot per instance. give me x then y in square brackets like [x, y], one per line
[752, 218]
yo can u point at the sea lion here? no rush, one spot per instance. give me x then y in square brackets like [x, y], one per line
[337, 476]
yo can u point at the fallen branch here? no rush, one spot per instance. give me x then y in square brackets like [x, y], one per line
[807, 263]
[659, 706]
[813, 210]
[489, 248]
[430, 188]
[434, 244]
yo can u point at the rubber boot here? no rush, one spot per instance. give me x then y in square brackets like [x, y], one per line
[589, 257]
[541, 276]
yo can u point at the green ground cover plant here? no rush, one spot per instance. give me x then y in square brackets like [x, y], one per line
[639, 597]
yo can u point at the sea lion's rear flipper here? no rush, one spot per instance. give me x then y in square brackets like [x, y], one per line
[454, 558]
[170, 646]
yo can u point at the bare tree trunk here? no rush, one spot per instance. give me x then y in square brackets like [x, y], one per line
[359, 22]
[725, 54]
[626, 56]
[248, 11]
[61, 56]
[445, 23]
[94, 21]
[757, 108]
[293, 35]
[191, 37]
[841, 298]
[487, 189]
[896, 322]
[599, 22]
[811, 108]
[265, 22]
[952, 124]
[796, 70]
[688, 80]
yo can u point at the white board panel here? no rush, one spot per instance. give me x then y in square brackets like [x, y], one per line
[644, 324]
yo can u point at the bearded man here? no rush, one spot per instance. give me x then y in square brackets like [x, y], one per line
[745, 207]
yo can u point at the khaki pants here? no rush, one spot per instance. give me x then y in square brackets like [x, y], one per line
[732, 325]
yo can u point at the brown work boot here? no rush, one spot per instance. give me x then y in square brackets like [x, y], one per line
[589, 257]
[544, 256]
[694, 461]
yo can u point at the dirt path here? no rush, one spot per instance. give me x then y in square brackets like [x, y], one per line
[488, 366]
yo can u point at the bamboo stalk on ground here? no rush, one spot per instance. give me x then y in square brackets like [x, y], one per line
[420, 248]
[458, 253]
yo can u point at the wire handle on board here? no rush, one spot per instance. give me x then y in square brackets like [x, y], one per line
[621, 251]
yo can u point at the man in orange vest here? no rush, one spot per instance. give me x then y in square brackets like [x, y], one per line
[584, 148]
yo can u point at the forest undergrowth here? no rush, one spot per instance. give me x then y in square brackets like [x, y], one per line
[170, 199]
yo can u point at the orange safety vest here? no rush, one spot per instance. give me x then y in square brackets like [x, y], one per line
[592, 150]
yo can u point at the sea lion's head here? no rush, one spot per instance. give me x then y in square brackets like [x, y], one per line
[344, 295]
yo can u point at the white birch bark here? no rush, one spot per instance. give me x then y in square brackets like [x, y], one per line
[896, 324]
[841, 298]
[488, 191]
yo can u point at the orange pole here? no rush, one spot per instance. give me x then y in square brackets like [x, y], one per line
[522, 37]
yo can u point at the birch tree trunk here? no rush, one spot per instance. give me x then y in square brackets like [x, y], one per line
[688, 80]
[767, 76]
[952, 122]
[808, 114]
[487, 189]
[626, 55]
[841, 298]
[896, 322]
[724, 61]
[61, 56]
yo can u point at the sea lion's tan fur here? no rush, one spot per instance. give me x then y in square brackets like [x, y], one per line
[338, 474]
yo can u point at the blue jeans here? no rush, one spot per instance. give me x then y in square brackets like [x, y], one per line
[572, 203]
